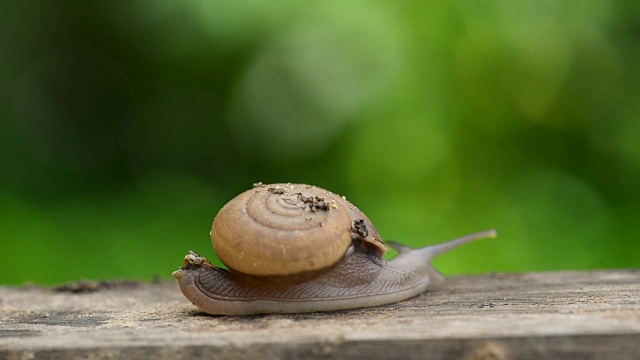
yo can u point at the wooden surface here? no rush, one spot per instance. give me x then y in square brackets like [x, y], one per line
[581, 315]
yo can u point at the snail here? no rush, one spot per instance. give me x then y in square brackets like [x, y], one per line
[299, 248]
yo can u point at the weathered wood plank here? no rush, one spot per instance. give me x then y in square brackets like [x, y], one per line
[593, 315]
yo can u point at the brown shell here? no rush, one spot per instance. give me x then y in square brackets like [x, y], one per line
[288, 229]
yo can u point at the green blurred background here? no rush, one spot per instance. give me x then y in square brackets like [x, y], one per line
[125, 126]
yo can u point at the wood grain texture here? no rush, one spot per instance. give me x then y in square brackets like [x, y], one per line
[568, 315]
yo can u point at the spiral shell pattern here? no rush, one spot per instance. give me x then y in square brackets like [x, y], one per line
[284, 229]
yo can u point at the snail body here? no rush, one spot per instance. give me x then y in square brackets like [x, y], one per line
[298, 248]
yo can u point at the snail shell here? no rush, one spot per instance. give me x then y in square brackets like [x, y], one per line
[299, 248]
[288, 229]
